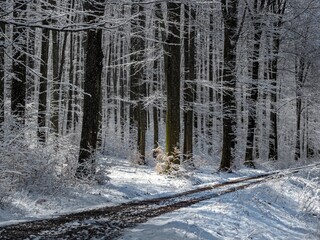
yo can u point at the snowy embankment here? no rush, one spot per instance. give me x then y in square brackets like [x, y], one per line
[284, 208]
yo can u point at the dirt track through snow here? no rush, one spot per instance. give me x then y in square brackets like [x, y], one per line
[110, 222]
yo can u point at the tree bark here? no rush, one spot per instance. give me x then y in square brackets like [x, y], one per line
[189, 52]
[229, 13]
[2, 69]
[277, 8]
[172, 75]
[92, 89]
[18, 92]
[42, 110]
[253, 97]
[55, 83]
[138, 84]
[301, 76]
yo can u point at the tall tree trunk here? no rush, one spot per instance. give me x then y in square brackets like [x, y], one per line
[122, 93]
[172, 75]
[155, 110]
[92, 89]
[210, 65]
[189, 44]
[273, 70]
[137, 84]
[253, 97]
[56, 82]
[229, 13]
[42, 110]
[301, 75]
[2, 69]
[277, 8]
[18, 92]
[70, 98]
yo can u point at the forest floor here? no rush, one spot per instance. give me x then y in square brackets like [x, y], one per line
[246, 204]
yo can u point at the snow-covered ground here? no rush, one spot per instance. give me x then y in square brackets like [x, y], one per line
[284, 208]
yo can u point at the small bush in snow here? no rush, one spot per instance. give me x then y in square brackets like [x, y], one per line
[166, 164]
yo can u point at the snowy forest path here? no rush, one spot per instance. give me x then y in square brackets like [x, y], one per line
[110, 222]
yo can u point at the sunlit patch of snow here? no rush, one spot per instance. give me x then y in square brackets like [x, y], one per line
[272, 210]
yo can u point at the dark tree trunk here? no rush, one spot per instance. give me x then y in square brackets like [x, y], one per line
[18, 92]
[56, 82]
[155, 109]
[277, 8]
[172, 75]
[58, 65]
[2, 41]
[253, 97]
[122, 94]
[70, 98]
[92, 97]
[211, 91]
[230, 12]
[301, 75]
[137, 84]
[42, 110]
[189, 52]
[273, 70]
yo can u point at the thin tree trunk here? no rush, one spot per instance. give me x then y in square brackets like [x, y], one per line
[138, 86]
[70, 93]
[211, 63]
[277, 8]
[18, 92]
[122, 93]
[301, 76]
[273, 72]
[42, 110]
[189, 44]
[253, 97]
[56, 82]
[2, 69]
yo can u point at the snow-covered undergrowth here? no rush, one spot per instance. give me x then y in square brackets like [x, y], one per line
[29, 167]
[284, 208]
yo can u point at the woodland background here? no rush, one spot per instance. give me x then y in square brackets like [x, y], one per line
[231, 82]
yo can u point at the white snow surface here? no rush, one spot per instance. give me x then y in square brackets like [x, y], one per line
[282, 208]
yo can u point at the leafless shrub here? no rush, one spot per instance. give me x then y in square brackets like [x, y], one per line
[166, 164]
